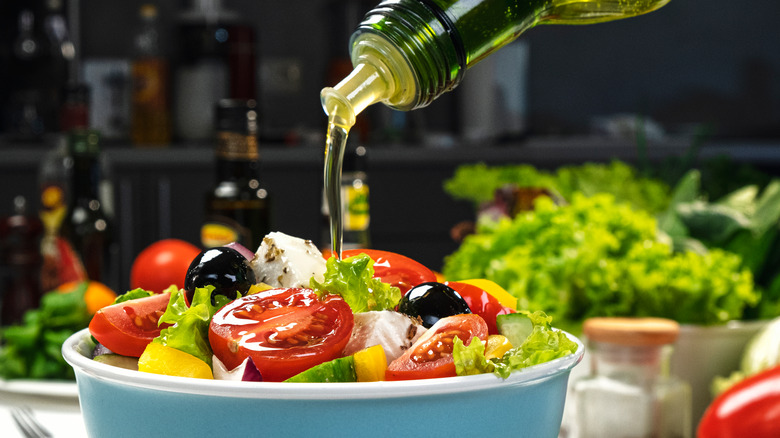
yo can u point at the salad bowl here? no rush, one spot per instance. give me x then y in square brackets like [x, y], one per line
[118, 402]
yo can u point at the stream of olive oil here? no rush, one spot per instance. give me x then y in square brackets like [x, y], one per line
[334, 156]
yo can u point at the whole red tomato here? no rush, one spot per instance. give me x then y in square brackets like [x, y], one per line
[162, 264]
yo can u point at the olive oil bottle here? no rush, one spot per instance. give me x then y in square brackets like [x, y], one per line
[406, 53]
[238, 208]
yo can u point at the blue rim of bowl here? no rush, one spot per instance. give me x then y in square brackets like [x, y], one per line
[71, 351]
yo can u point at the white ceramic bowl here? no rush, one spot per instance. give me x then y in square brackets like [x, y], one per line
[702, 353]
[122, 403]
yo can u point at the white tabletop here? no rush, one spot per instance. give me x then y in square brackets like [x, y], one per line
[55, 406]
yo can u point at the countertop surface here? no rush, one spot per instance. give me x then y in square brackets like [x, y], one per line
[56, 407]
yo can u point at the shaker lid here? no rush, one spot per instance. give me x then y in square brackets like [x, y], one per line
[631, 331]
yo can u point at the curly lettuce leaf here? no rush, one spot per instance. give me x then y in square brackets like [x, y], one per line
[598, 257]
[353, 279]
[190, 330]
[478, 182]
[132, 295]
[470, 360]
[542, 345]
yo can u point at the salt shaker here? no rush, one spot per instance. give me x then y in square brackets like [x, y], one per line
[630, 392]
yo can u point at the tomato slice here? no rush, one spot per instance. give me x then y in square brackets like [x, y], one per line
[284, 331]
[482, 303]
[395, 269]
[431, 356]
[127, 328]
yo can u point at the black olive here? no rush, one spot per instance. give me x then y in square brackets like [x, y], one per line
[431, 302]
[224, 268]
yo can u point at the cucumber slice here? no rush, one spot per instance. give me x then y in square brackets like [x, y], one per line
[336, 370]
[117, 360]
[515, 326]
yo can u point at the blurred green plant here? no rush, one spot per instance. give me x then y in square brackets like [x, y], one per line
[599, 257]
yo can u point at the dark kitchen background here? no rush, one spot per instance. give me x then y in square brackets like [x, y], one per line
[696, 73]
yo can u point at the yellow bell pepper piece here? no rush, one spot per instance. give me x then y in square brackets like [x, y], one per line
[505, 298]
[370, 364]
[496, 346]
[259, 287]
[161, 359]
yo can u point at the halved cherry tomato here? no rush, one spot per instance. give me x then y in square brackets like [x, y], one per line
[431, 356]
[127, 328]
[284, 331]
[482, 303]
[395, 269]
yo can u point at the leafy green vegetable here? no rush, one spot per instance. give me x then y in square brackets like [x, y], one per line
[598, 257]
[745, 222]
[542, 345]
[477, 183]
[132, 295]
[353, 279]
[32, 349]
[190, 330]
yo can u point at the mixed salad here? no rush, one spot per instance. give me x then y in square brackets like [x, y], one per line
[285, 313]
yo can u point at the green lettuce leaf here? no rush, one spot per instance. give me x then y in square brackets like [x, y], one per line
[599, 257]
[190, 330]
[470, 360]
[133, 294]
[353, 279]
[478, 182]
[542, 345]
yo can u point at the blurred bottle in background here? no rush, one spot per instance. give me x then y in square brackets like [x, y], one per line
[40, 66]
[216, 61]
[20, 263]
[87, 225]
[74, 113]
[60, 263]
[356, 214]
[150, 114]
[238, 208]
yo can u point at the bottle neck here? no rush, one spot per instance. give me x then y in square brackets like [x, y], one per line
[428, 40]
[237, 156]
[406, 53]
[86, 179]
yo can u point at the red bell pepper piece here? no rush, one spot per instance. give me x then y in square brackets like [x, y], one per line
[751, 408]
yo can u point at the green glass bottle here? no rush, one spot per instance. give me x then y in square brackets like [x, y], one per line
[406, 53]
[238, 208]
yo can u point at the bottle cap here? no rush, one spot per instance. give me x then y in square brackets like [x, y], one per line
[631, 331]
